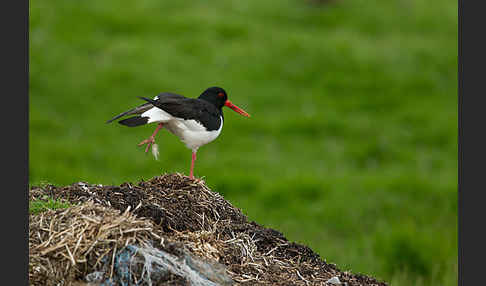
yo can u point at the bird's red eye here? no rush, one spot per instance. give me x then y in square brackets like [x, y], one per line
[220, 94]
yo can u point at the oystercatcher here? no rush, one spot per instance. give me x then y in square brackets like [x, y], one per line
[196, 121]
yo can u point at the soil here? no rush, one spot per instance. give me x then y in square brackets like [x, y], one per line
[187, 210]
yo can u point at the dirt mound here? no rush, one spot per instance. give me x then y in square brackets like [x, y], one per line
[208, 226]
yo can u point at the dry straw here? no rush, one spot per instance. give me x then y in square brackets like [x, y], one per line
[65, 245]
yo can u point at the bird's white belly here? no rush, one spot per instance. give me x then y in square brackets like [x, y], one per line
[191, 132]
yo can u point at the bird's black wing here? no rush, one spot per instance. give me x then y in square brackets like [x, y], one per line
[190, 108]
[146, 106]
[169, 96]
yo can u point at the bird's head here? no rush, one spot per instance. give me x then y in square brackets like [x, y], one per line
[218, 97]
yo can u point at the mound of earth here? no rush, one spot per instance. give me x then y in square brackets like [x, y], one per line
[178, 216]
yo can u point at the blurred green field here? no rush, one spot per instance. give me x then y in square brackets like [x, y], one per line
[352, 144]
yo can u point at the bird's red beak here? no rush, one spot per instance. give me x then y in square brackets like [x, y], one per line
[236, 108]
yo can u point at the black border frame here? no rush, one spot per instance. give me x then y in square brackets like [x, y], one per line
[14, 21]
[471, 157]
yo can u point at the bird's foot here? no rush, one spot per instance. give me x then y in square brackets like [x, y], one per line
[196, 180]
[149, 142]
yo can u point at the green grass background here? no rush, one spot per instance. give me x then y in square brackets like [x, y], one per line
[352, 144]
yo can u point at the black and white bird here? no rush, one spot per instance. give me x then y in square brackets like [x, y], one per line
[196, 121]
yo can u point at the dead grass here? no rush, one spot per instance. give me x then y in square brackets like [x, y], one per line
[67, 244]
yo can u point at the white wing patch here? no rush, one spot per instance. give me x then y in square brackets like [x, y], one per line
[157, 115]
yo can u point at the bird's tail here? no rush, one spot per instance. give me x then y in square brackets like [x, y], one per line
[137, 110]
[134, 121]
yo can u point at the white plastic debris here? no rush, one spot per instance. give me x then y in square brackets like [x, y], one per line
[155, 258]
[334, 280]
[94, 276]
[154, 262]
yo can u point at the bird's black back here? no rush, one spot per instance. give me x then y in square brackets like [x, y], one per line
[179, 106]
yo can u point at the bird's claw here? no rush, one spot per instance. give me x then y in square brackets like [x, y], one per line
[149, 143]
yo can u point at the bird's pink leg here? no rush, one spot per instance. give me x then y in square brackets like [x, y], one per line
[191, 175]
[151, 140]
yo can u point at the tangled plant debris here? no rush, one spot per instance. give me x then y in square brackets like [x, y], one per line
[166, 216]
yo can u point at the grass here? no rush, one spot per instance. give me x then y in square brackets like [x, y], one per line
[352, 144]
[38, 206]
